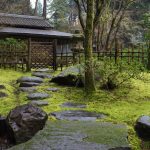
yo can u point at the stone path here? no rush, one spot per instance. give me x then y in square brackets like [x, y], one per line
[2, 94]
[74, 129]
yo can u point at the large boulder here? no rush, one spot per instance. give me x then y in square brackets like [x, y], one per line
[25, 121]
[142, 127]
[72, 76]
[6, 134]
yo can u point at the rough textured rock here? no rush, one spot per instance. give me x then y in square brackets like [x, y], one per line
[27, 89]
[78, 135]
[70, 77]
[2, 87]
[74, 105]
[26, 121]
[28, 84]
[142, 127]
[37, 96]
[53, 89]
[6, 135]
[2, 94]
[42, 75]
[30, 79]
[78, 115]
[39, 103]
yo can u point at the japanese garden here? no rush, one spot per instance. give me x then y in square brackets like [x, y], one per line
[74, 74]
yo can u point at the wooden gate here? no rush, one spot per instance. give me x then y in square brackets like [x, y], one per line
[42, 53]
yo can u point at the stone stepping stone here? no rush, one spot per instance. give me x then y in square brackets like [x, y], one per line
[142, 127]
[27, 89]
[41, 75]
[2, 87]
[39, 103]
[73, 105]
[30, 79]
[53, 89]
[2, 95]
[37, 96]
[44, 70]
[78, 115]
[78, 135]
[28, 84]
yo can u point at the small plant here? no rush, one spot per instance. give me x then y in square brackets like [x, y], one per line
[110, 75]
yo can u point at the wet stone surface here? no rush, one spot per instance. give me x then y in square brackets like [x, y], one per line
[76, 135]
[27, 89]
[2, 94]
[53, 89]
[44, 70]
[39, 103]
[42, 75]
[28, 84]
[30, 79]
[142, 127]
[73, 105]
[25, 121]
[37, 96]
[2, 87]
[78, 115]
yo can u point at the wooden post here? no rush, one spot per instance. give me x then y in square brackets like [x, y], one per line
[29, 55]
[116, 50]
[55, 55]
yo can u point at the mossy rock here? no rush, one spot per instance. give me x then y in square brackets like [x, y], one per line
[78, 135]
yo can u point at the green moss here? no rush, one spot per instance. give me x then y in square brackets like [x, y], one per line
[123, 105]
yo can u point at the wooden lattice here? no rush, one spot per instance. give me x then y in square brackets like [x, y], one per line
[41, 53]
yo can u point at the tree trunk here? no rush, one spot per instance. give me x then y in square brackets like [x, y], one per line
[35, 10]
[89, 72]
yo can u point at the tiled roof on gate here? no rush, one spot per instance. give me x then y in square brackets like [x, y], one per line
[14, 20]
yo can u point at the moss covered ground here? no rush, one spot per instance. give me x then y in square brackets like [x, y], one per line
[123, 105]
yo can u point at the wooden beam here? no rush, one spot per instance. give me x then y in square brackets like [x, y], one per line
[29, 55]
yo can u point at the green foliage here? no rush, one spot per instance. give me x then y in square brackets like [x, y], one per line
[147, 26]
[16, 43]
[111, 75]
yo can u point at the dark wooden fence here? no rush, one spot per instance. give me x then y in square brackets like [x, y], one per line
[12, 56]
[129, 54]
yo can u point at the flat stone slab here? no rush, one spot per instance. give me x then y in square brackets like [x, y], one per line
[53, 89]
[28, 84]
[37, 96]
[39, 103]
[2, 87]
[42, 75]
[2, 95]
[27, 89]
[142, 127]
[78, 135]
[78, 115]
[44, 70]
[73, 105]
[30, 79]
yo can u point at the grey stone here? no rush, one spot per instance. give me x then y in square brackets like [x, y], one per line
[28, 84]
[2, 87]
[2, 94]
[30, 79]
[37, 96]
[53, 89]
[70, 77]
[74, 105]
[78, 115]
[26, 121]
[39, 103]
[78, 135]
[42, 75]
[27, 89]
[44, 70]
[142, 127]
